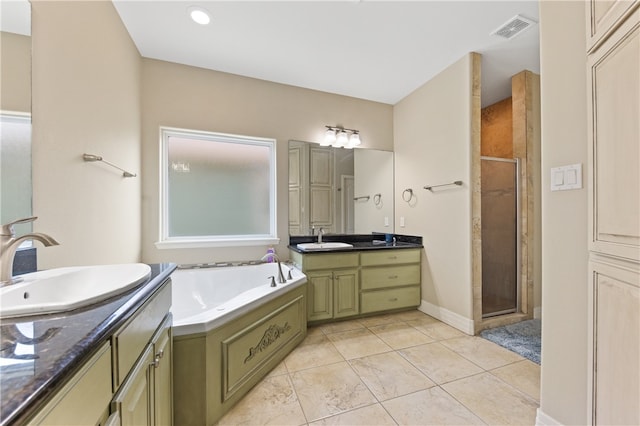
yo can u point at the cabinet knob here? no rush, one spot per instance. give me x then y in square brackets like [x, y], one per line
[393, 277]
[156, 362]
[160, 353]
[393, 299]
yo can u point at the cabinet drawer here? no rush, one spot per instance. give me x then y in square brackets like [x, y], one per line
[390, 276]
[129, 342]
[330, 261]
[384, 300]
[389, 257]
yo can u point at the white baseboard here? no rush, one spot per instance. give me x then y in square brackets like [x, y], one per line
[537, 312]
[544, 420]
[448, 317]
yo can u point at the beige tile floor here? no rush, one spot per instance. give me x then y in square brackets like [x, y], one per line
[397, 369]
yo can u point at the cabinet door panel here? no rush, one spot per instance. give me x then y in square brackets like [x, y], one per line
[345, 291]
[131, 340]
[84, 399]
[615, 348]
[320, 167]
[615, 202]
[603, 15]
[134, 398]
[163, 374]
[321, 206]
[320, 295]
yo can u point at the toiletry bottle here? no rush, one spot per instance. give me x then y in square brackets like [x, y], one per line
[271, 251]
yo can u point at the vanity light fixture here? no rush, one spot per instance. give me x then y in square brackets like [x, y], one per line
[340, 137]
[199, 15]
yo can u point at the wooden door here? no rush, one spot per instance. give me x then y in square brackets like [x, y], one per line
[613, 66]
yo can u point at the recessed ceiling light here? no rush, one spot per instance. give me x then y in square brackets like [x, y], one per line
[199, 15]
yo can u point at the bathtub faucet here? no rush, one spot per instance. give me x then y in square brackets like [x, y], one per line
[9, 244]
[281, 279]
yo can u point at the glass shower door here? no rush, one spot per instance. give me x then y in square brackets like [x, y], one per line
[500, 236]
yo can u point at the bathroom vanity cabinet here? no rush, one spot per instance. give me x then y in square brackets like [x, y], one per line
[357, 282]
[85, 398]
[333, 285]
[128, 381]
[142, 365]
[390, 279]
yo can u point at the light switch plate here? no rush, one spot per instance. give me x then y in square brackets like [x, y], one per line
[566, 177]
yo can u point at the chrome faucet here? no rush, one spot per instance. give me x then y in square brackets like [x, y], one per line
[281, 278]
[320, 234]
[9, 244]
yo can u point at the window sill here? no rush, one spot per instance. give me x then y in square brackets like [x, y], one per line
[185, 243]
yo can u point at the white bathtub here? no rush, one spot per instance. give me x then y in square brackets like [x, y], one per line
[205, 298]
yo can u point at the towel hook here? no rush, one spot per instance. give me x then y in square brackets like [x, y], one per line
[410, 191]
[377, 199]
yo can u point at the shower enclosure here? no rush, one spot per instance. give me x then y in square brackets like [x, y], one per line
[500, 236]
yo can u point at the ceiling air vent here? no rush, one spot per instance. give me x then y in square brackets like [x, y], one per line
[513, 27]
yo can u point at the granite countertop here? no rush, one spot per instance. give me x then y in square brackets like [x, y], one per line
[58, 345]
[374, 241]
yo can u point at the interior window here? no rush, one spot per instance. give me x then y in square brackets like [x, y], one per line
[216, 189]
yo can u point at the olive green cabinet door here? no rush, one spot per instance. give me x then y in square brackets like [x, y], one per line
[134, 398]
[163, 374]
[320, 295]
[345, 293]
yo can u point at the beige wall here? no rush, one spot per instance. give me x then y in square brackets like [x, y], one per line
[432, 144]
[564, 213]
[194, 98]
[86, 98]
[15, 72]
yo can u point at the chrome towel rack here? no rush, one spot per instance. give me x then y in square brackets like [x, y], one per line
[92, 158]
[364, 197]
[456, 182]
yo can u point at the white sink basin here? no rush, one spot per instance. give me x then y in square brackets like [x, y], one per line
[322, 246]
[64, 289]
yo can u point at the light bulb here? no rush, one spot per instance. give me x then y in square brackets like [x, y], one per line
[343, 139]
[329, 138]
[354, 140]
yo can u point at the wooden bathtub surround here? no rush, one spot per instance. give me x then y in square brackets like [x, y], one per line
[214, 370]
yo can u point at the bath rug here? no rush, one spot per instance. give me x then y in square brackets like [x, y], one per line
[522, 338]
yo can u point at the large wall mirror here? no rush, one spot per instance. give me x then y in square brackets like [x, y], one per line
[344, 191]
[15, 113]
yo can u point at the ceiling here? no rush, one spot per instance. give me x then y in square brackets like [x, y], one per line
[375, 50]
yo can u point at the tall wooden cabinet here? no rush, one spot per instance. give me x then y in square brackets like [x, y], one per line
[613, 75]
